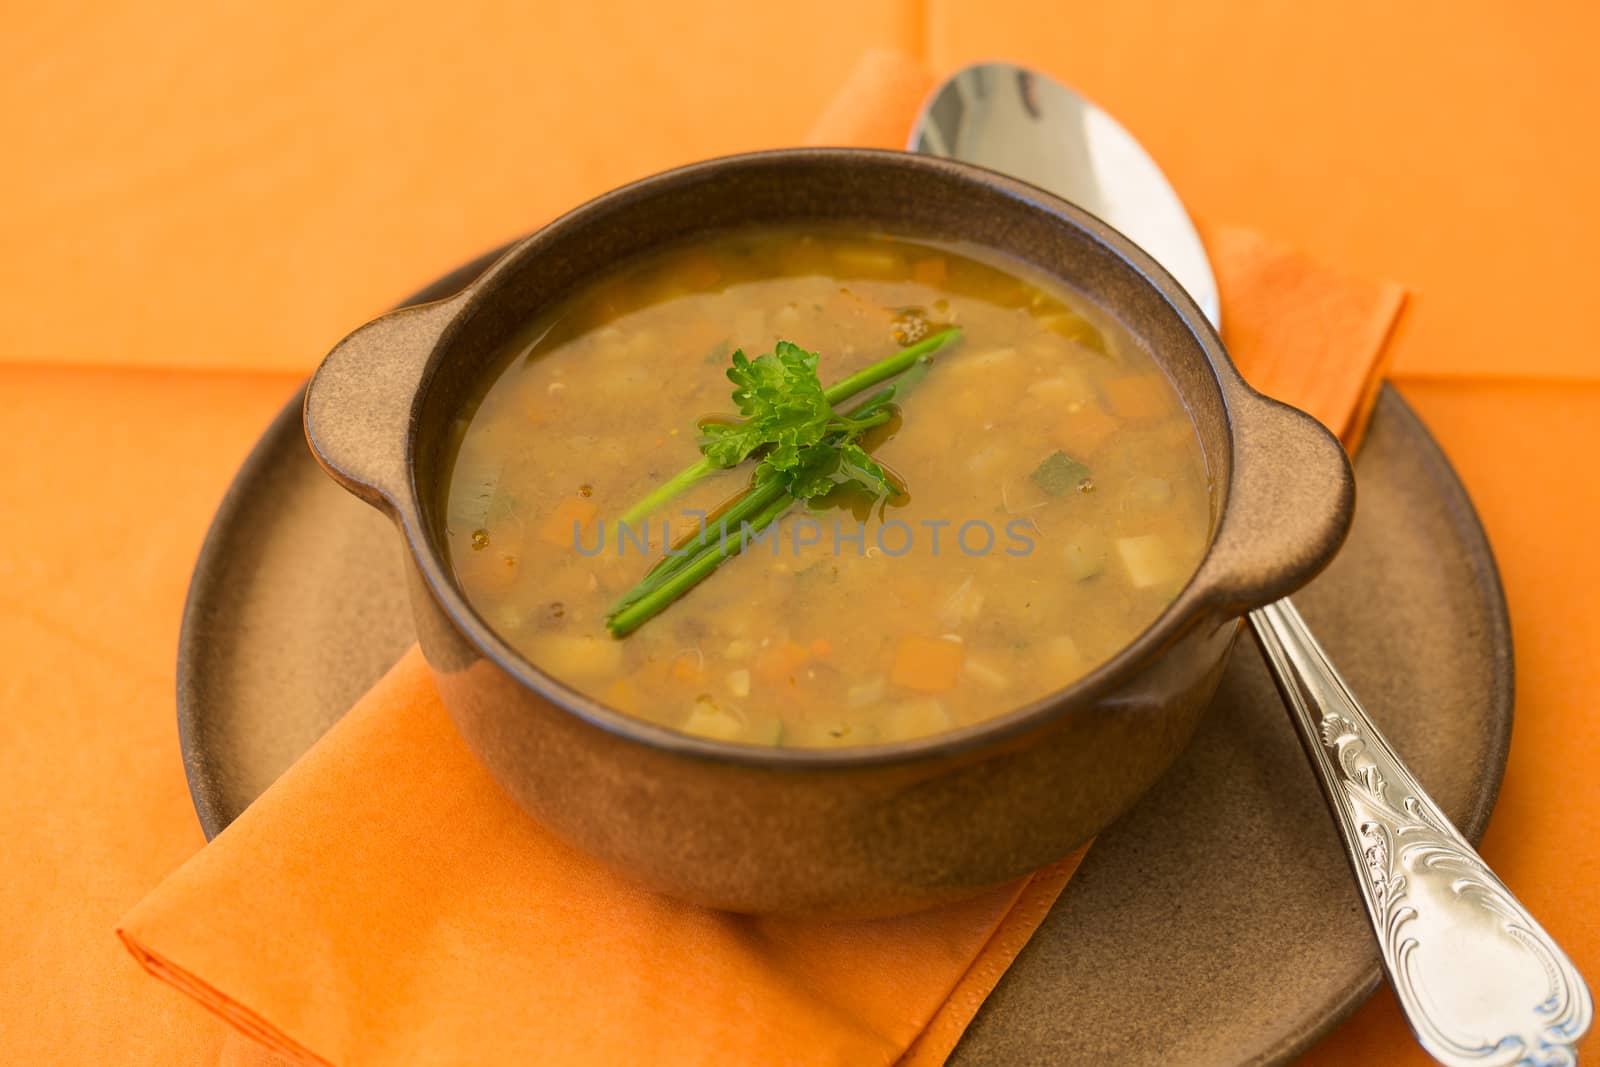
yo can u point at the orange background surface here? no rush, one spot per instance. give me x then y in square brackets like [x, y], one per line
[196, 203]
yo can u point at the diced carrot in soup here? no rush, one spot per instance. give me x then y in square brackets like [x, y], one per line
[1082, 432]
[689, 667]
[780, 662]
[927, 664]
[1056, 496]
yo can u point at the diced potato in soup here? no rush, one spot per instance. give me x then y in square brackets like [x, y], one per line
[1055, 498]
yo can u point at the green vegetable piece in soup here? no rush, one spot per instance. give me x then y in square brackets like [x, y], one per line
[1059, 474]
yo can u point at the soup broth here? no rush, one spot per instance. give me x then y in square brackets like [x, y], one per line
[1055, 498]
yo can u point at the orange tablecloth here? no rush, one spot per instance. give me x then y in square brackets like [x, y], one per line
[194, 206]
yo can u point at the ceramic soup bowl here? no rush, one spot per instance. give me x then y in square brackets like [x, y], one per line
[849, 831]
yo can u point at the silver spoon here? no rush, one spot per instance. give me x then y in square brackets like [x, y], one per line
[1479, 980]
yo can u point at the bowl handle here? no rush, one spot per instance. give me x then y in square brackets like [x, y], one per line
[359, 403]
[1289, 507]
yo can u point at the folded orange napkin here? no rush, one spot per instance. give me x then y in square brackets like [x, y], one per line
[384, 902]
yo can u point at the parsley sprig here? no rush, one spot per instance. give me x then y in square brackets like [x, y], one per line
[769, 386]
[805, 442]
[806, 449]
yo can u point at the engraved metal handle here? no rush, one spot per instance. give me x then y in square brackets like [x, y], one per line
[1479, 980]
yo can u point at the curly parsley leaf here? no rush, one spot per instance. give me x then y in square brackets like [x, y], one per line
[860, 468]
[784, 407]
[802, 440]
[787, 371]
[812, 476]
[837, 461]
[727, 444]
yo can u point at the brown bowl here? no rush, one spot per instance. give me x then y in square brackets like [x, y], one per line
[842, 832]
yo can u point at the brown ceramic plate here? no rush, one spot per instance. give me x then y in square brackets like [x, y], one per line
[1215, 924]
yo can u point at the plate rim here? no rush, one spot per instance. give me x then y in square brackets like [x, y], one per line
[1455, 496]
[209, 560]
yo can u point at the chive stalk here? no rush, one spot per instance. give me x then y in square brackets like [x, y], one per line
[747, 507]
[698, 568]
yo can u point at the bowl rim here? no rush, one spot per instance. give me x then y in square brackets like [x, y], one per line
[1188, 608]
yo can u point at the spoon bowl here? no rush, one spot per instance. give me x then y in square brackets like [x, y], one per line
[1032, 127]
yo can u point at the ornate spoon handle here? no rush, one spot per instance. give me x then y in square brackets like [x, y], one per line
[1479, 980]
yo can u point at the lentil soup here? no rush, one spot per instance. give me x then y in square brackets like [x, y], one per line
[1030, 497]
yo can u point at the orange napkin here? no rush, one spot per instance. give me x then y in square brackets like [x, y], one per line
[384, 902]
